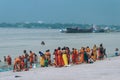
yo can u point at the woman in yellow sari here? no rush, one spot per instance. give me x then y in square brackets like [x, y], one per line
[64, 56]
[42, 59]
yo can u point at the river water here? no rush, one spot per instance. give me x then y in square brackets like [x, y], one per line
[14, 40]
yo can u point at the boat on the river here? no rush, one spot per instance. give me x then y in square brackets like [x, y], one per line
[84, 30]
[78, 30]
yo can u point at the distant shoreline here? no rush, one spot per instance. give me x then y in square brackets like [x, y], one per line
[53, 25]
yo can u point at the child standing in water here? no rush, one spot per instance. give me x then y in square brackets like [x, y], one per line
[9, 60]
[5, 59]
[46, 62]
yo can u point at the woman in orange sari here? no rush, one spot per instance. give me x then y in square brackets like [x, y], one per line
[75, 56]
[95, 52]
[59, 57]
[31, 58]
[81, 55]
[17, 64]
[68, 54]
[55, 58]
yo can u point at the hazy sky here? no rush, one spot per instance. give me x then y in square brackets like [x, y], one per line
[63, 11]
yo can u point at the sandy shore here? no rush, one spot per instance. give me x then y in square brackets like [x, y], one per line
[108, 69]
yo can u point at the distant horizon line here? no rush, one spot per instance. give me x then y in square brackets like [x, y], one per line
[27, 22]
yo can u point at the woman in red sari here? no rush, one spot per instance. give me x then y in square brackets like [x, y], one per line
[56, 58]
[75, 56]
[59, 57]
[9, 60]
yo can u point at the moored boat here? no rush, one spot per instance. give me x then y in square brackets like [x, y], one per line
[78, 30]
[84, 30]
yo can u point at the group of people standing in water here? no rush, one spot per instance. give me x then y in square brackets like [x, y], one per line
[22, 62]
[59, 58]
[25, 61]
[64, 57]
